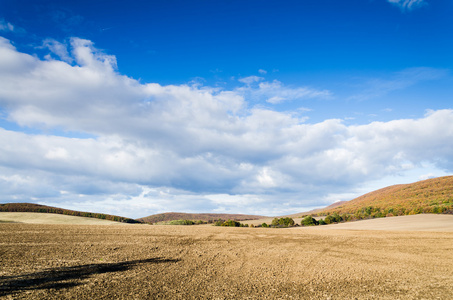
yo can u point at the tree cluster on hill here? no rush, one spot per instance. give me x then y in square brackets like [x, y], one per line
[428, 196]
[206, 217]
[229, 223]
[37, 208]
[182, 222]
[309, 221]
[282, 222]
[370, 212]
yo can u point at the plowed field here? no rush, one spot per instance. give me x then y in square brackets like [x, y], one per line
[205, 262]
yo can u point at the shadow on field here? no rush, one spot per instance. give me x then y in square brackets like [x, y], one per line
[66, 277]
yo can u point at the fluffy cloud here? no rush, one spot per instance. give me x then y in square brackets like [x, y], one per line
[156, 148]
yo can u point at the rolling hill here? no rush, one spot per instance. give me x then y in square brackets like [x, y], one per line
[170, 216]
[49, 218]
[427, 196]
[37, 208]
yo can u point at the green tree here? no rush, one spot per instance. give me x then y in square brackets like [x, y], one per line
[321, 222]
[232, 223]
[283, 222]
[309, 221]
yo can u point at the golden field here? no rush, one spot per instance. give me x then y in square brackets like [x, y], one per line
[64, 261]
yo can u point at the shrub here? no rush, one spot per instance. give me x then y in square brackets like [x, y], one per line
[232, 223]
[328, 219]
[282, 222]
[309, 221]
[334, 218]
[181, 222]
[218, 222]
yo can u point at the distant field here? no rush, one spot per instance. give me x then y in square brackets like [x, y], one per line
[170, 216]
[47, 218]
[207, 262]
[422, 222]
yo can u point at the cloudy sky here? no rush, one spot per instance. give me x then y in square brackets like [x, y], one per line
[260, 107]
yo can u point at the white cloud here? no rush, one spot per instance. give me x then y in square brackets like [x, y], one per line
[58, 49]
[408, 4]
[156, 148]
[250, 79]
[6, 26]
[276, 92]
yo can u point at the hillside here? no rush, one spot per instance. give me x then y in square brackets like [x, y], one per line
[37, 208]
[49, 218]
[427, 196]
[196, 217]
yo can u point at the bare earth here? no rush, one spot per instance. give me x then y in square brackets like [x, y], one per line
[205, 262]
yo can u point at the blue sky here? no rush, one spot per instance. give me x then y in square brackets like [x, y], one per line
[265, 107]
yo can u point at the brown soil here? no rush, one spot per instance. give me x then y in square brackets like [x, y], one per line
[205, 262]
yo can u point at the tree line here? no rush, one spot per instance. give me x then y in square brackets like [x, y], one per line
[37, 208]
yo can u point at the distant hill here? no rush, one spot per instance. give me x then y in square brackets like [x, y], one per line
[170, 216]
[37, 208]
[49, 218]
[427, 196]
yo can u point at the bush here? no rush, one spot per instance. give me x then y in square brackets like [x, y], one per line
[180, 222]
[309, 221]
[282, 222]
[321, 222]
[334, 218]
[232, 223]
[218, 222]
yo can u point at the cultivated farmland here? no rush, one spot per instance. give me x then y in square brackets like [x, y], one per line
[205, 262]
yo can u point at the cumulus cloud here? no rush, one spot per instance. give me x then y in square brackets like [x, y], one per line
[58, 49]
[408, 4]
[155, 148]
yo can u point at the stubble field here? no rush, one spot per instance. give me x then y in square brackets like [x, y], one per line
[205, 262]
